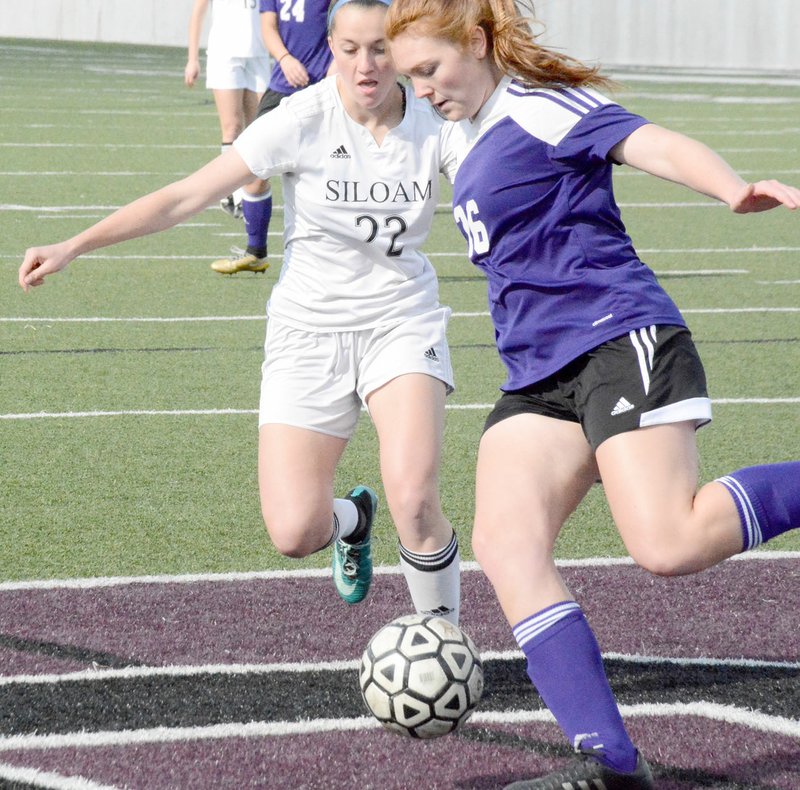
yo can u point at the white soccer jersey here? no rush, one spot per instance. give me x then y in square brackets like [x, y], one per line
[235, 30]
[355, 213]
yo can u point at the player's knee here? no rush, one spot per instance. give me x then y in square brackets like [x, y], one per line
[232, 129]
[490, 551]
[661, 559]
[481, 545]
[414, 509]
[292, 537]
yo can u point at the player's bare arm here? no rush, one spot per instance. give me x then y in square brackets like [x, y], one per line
[154, 212]
[192, 70]
[294, 71]
[684, 160]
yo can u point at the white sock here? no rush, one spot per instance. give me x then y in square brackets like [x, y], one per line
[345, 519]
[434, 580]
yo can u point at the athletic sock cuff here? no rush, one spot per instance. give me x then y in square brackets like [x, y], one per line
[751, 514]
[532, 628]
[256, 198]
[436, 561]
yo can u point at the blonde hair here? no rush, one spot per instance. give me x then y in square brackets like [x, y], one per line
[510, 36]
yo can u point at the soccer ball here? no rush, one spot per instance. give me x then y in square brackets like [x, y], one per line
[421, 676]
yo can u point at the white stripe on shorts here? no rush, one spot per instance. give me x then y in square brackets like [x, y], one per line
[643, 341]
[690, 409]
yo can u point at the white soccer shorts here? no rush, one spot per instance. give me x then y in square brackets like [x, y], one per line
[224, 73]
[320, 380]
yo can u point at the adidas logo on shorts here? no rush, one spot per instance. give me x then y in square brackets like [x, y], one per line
[431, 354]
[622, 406]
[340, 153]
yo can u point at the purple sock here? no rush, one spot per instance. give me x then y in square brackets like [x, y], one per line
[257, 214]
[565, 665]
[768, 500]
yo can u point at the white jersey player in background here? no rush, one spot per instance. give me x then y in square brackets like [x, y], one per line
[237, 67]
[355, 317]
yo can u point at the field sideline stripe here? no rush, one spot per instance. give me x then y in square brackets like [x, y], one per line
[73, 415]
[725, 713]
[786, 130]
[446, 207]
[193, 670]
[309, 573]
[182, 173]
[729, 714]
[463, 254]
[455, 314]
[33, 777]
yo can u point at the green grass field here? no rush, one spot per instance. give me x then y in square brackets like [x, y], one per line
[114, 456]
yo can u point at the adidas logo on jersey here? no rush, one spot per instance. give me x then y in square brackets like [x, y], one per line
[431, 355]
[340, 153]
[622, 406]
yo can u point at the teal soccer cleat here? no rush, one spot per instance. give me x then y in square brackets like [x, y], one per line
[352, 562]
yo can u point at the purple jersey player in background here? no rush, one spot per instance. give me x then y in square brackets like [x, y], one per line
[295, 33]
[604, 382]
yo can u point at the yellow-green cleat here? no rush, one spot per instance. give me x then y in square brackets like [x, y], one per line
[352, 562]
[240, 261]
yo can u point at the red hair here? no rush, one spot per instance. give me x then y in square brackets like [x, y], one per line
[510, 36]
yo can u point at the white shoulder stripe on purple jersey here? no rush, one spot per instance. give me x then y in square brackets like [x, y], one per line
[551, 114]
[592, 98]
[577, 100]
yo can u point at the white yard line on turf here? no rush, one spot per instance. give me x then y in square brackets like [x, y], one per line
[475, 314]
[194, 670]
[240, 576]
[32, 777]
[760, 722]
[778, 725]
[648, 251]
[223, 412]
[73, 415]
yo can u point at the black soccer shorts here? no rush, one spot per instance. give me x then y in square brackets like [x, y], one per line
[650, 376]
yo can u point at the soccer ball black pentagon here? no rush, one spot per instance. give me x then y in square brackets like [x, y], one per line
[421, 676]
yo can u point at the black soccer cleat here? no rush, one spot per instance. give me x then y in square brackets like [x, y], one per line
[586, 772]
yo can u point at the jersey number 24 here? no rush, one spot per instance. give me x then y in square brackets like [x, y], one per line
[293, 8]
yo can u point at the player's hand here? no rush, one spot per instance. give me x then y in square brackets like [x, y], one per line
[40, 262]
[294, 71]
[191, 73]
[765, 195]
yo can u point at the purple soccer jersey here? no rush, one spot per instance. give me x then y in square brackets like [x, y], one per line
[533, 196]
[302, 24]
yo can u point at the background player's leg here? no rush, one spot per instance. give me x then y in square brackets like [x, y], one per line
[230, 110]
